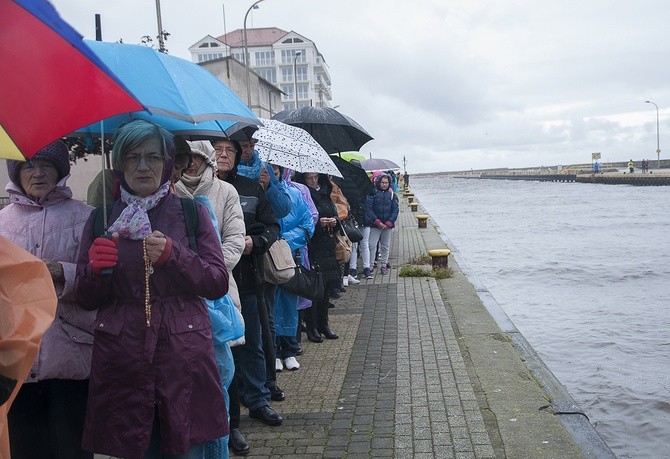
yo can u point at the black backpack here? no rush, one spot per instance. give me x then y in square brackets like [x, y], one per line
[190, 214]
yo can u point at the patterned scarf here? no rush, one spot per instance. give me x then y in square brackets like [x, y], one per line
[133, 223]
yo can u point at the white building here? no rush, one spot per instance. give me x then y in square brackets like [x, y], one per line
[274, 54]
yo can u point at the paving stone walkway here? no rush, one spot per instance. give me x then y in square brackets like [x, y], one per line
[394, 384]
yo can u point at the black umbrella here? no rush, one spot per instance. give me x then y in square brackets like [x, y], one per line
[355, 183]
[334, 131]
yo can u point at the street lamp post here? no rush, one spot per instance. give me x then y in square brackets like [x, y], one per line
[161, 39]
[658, 138]
[295, 77]
[246, 50]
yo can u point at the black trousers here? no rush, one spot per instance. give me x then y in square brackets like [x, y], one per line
[46, 420]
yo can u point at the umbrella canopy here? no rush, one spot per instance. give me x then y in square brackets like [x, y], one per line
[181, 96]
[351, 155]
[379, 164]
[292, 147]
[355, 183]
[333, 130]
[51, 82]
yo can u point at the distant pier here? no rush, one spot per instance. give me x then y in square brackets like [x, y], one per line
[532, 177]
[605, 179]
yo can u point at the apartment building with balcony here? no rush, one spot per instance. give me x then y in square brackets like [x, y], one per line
[286, 59]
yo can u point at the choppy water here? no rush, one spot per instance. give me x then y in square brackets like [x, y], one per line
[583, 271]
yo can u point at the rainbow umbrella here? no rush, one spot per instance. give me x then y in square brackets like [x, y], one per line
[51, 83]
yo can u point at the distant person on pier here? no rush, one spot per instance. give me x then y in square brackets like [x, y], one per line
[631, 166]
[596, 167]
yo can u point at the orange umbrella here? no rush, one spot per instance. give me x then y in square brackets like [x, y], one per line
[27, 307]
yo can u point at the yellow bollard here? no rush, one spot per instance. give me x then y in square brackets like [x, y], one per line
[440, 257]
[423, 221]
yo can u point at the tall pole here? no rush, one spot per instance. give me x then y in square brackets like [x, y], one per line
[225, 32]
[295, 77]
[658, 137]
[161, 42]
[246, 50]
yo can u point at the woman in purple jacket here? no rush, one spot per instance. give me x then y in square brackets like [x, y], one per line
[154, 385]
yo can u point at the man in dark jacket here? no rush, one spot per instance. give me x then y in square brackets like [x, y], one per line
[262, 229]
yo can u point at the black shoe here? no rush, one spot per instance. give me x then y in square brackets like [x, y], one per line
[314, 335]
[342, 288]
[331, 305]
[335, 294]
[328, 333]
[266, 415]
[277, 394]
[300, 350]
[238, 443]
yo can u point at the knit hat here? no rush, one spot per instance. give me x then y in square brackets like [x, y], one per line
[56, 153]
[205, 150]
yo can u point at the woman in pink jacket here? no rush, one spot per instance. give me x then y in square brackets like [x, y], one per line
[47, 417]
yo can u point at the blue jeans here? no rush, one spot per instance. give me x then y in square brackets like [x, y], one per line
[250, 358]
[287, 346]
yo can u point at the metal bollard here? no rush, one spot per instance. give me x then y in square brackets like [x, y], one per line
[440, 257]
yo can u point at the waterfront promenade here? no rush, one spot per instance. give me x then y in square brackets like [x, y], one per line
[422, 369]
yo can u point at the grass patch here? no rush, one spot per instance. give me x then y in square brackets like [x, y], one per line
[420, 271]
[443, 273]
[414, 271]
[423, 259]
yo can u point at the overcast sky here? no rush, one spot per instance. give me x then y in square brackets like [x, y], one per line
[457, 85]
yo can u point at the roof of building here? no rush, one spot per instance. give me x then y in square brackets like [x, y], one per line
[264, 36]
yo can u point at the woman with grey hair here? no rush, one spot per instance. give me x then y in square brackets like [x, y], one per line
[154, 386]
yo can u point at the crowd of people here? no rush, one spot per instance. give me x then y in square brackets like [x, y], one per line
[138, 362]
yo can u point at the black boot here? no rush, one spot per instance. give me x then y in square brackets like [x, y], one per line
[314, 335]
[310, 324]
[327, 332]
[322, 320]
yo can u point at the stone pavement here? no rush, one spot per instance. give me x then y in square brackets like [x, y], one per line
[421, 369]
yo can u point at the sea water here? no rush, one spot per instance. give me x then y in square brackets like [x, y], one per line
[583, 271]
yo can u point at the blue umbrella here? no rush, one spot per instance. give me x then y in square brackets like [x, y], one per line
[180, 95]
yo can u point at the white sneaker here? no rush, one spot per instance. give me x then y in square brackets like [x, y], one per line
[278, 365]
[353, 280]
[291, 363]
[345, 281]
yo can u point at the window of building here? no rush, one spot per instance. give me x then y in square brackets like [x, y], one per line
[209, 56]
[204, 45]
[265, 58]
[287, 56]
[303, 91]
[268, 74]
[287, 74]
[301, 73]
[288, 89]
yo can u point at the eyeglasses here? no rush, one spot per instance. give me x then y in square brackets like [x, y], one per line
[219, 151]
[153, 160]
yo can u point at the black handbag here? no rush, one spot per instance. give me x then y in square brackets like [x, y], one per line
[352, 230]
[307, 283]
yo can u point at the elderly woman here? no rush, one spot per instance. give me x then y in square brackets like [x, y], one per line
[154, 386]
[322, 253]
[48, 413]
